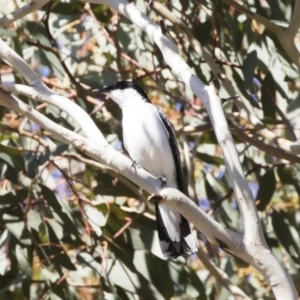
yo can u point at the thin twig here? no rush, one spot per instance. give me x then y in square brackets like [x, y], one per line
[222, 277]
[278, 152]
[137, 191]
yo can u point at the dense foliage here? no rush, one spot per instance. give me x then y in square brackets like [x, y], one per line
[70, 227]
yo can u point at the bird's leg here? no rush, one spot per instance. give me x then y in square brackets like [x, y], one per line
[134, 164]
[163, 181]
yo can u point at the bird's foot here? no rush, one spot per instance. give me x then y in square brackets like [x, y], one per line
[163, 181]
[157, 198]
[134, 163]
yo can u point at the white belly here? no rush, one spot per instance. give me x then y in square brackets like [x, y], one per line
[147, 143]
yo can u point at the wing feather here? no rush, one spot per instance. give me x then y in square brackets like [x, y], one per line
[174, 148]
[187, 244]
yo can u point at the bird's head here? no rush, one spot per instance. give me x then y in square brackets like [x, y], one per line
[124, 93]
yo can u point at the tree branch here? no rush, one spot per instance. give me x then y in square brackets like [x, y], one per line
[252, 15]
[253, 237]
[110, 157]
[240, 133]
[285, 36]
[113, 173]
[277, 152]
[40, 92]
[209, 99]
[28, 8]
[243, 106]
[222, 277]
[295, 21]
[250, 245]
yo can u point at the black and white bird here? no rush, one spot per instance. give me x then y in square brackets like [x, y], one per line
[151, 143]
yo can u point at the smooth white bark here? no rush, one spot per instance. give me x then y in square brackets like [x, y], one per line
[28, 8]
[249, 245]
[38, 91]
[246, 110]
[107, 155]
[253, 245]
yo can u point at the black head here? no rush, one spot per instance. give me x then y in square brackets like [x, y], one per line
[123, 85]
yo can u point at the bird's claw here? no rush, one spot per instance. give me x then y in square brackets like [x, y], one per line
[134, 163]
[163, 181]
[156, 198]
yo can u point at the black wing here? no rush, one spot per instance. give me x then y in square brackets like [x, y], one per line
[187, 244]
[174, 149]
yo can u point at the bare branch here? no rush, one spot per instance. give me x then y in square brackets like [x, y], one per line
[222, 277]
[293, 147]
[28, 8]
[108, 156]
[294, 26]
[253, 237]
[113, 173]
[286, 36]
[278, 152]
[252, 15]
[248, 249]
[40, 92]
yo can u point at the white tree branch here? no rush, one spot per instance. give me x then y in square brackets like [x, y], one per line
[250, 245]
[210, 100]
[110, 157]
[28, 8]
[253, 239]
[229, 240]
[38, 91]
[246, 111]
[222, 277]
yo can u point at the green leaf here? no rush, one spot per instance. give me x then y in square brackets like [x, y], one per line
[19, 279]
[86, 259]
[142, 238]
[210, 192]
[268, 97]
[203, 32]
[106, 185]
[13, 221]
[31, 164]
[8, 32]
[24, 257]
[266, 190]
[249, 66]
[156, 272]
[122, 276]
[60, 149]
[96, 218]
[12, 157]
[286, 177]
[44, 156]
[71, 8]
[13, 198]
[54, 250]
[38, 32]
[287, 234]
[34, 219]
[61, 208]
[210, 159]
[64, 216]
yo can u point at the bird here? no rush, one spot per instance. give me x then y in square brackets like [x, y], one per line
[150, 141]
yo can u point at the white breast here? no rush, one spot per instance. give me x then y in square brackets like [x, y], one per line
[147, 142]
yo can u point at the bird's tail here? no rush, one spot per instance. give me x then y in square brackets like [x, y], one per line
[174, 232]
